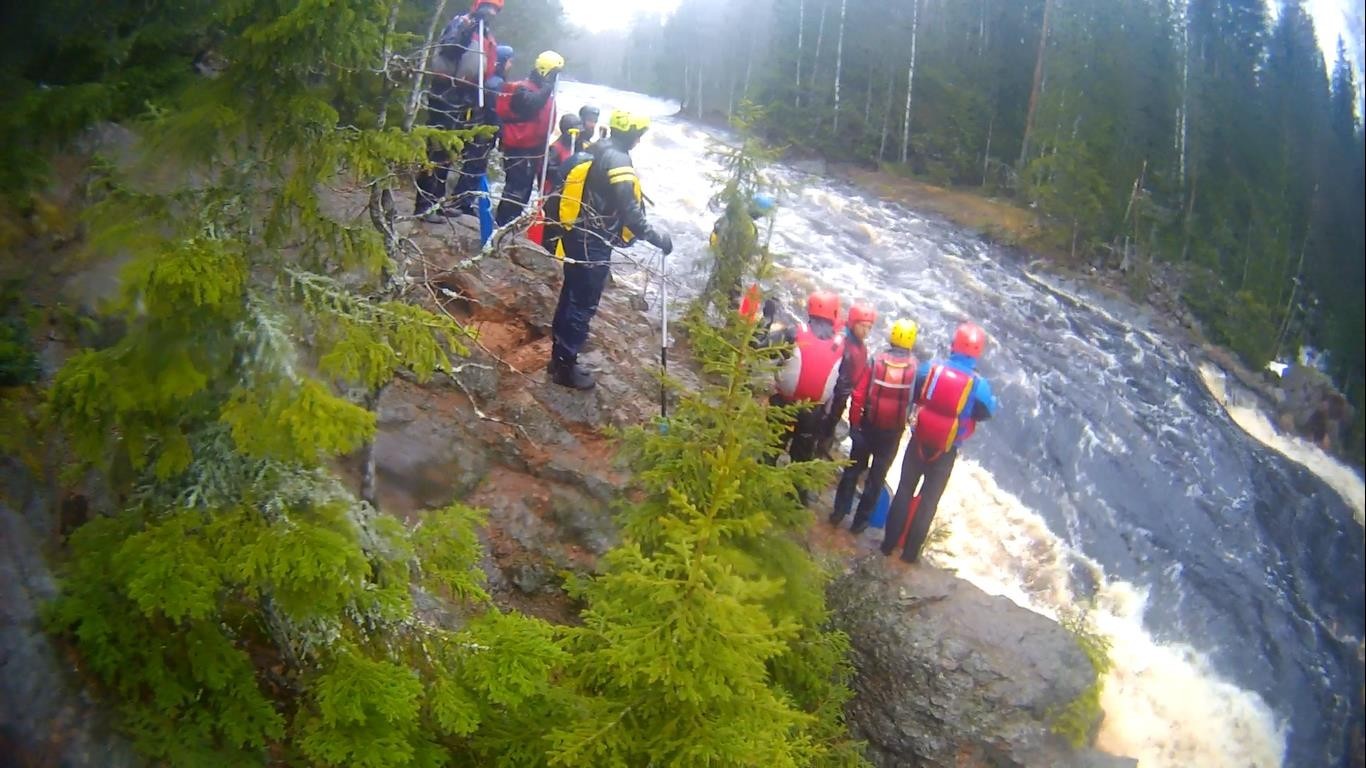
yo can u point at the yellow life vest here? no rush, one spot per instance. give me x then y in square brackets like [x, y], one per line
[575, 185]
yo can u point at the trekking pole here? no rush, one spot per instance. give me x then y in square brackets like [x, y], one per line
[549, 129]
[482, 64]
[663, 339]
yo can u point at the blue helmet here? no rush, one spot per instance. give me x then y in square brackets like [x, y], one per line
[761, 205]
[505, 53]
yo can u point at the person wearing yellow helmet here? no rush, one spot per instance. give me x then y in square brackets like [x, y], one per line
[526, 109]
[880, 404]
[610, 213]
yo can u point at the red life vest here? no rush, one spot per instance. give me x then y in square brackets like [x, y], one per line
[809, 375]
[942, 400]
[889, 392]
[519, 132]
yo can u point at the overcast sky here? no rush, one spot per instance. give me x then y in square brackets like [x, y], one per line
[1330, 18]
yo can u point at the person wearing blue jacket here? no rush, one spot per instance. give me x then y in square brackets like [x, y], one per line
[952, 398]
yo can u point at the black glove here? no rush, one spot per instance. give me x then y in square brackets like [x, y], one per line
[770, 311]
[661, 240]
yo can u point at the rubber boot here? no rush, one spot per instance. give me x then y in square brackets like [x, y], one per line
[570, 374]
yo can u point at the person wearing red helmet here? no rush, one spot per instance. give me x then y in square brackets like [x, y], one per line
[807, 377]
[453, 90]
[951, 398]
[859, 324]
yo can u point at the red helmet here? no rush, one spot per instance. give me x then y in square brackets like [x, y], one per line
[969, 340]
[823, 304]
[495, 3]
[862, 313]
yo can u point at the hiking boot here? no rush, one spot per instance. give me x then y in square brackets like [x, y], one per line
[858, 527]
[835, 518]
[571, 375]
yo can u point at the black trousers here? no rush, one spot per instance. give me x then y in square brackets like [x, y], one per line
[442, 112]
[914, 466]
[580, 293]
[520, 174]
[800, 439]
[475, 163]
[871, 446]
[834, 411]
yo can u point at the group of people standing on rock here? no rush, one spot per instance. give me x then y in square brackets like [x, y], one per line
[594, 204]
[942, 400]
[593, 201]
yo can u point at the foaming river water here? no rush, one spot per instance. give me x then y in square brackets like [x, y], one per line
[1227, 576]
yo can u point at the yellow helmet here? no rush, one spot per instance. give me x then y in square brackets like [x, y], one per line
[903, 333]
[627, 122]
[548, 62]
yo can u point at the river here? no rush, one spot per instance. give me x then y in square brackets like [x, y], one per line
[1227, 575]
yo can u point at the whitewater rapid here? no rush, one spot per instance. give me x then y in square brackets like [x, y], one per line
[1111, 482]
[1257, 423]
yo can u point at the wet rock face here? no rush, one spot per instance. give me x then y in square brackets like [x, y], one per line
[948, 676]
[46, 717]
[1313, 407]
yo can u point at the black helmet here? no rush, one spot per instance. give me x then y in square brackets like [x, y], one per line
[589, 113]
[570, 122]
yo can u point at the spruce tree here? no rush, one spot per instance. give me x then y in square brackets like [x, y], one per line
[240, 604]
[703, 640]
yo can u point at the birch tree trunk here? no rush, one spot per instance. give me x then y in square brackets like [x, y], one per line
[415, 96]
[1185, 94]
[699, 90]
[1038, 82]
[801, 27]
[868, 101]
[910, 83]
[816, 55]
[886, 115]
[839, 63]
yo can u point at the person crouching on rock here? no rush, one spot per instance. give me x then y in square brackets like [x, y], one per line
[952, 398]
[880, 406]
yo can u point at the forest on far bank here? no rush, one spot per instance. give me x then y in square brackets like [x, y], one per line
[1210, 135]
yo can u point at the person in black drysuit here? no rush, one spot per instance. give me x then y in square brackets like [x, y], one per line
[588, 114]
[611, 207]
[453, 97]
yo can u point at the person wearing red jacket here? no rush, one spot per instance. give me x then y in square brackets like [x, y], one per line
[880, 405]
[527, 110]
